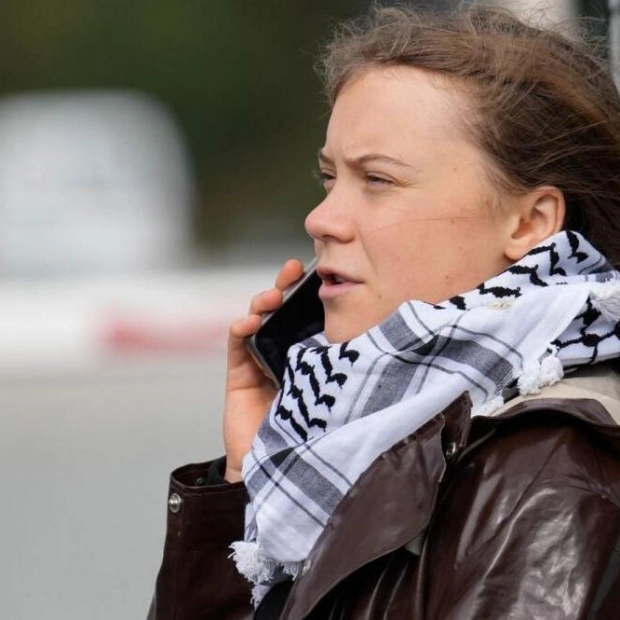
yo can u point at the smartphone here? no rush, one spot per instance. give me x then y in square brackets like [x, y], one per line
[300, 316]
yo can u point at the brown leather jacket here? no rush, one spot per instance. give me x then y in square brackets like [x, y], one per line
[511, 517]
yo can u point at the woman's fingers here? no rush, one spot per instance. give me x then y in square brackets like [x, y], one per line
[261, 304]
[248, 392]
[267, 301]
[246, 326]
[291, 271]
[271, 300]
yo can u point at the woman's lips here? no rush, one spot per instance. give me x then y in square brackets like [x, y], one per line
[330, 291]
[334, 284]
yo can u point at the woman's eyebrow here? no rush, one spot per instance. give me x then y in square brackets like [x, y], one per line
[364, 159]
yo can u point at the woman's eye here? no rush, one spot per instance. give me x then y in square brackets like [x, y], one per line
[325, 178]
[375, 180]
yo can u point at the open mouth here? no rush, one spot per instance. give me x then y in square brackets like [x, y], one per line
[334, 279]
[334, 283]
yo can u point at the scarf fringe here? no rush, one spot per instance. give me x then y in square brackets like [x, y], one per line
[292, 568]
[257, 567]
[260, 569]
[537, 375]
[606, 299]
[489, 407]
[251, 562]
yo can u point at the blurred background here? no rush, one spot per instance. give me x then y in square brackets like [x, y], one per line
[156, 166]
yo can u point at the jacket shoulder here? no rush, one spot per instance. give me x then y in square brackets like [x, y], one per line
[529, 517]
[599, 383]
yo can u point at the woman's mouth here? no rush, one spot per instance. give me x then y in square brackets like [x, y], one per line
[334, 283]
[335, 279]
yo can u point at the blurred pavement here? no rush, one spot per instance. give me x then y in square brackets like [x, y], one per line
[86, 457]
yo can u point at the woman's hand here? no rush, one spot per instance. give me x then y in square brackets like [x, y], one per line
[249, 393]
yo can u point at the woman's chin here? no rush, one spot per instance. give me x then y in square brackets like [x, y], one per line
[341, 329]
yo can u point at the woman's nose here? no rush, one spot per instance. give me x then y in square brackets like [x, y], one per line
[330, 220]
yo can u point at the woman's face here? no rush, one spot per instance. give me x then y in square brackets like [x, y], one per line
[409, 212]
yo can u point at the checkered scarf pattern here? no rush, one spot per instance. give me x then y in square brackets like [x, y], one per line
[342, 405]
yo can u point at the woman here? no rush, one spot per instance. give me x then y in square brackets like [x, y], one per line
[446, 448]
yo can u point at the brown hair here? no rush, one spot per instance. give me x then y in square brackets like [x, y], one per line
[544, 107]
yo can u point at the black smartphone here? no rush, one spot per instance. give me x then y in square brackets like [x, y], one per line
[300, 316]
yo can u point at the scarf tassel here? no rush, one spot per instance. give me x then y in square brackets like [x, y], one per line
[251, 562]
[537, 375]
[257, 567]
[489, 407]
[607, 300]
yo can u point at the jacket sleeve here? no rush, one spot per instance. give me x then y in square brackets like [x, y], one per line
[528, 527]
[197, 579]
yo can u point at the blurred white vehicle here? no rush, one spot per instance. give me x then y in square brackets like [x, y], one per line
[90, 182]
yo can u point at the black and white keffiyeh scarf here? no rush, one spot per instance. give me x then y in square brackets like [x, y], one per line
[342, 405]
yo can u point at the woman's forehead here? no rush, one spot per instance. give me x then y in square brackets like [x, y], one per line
[395, 107]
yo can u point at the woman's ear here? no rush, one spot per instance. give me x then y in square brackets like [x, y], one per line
[537, 215]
